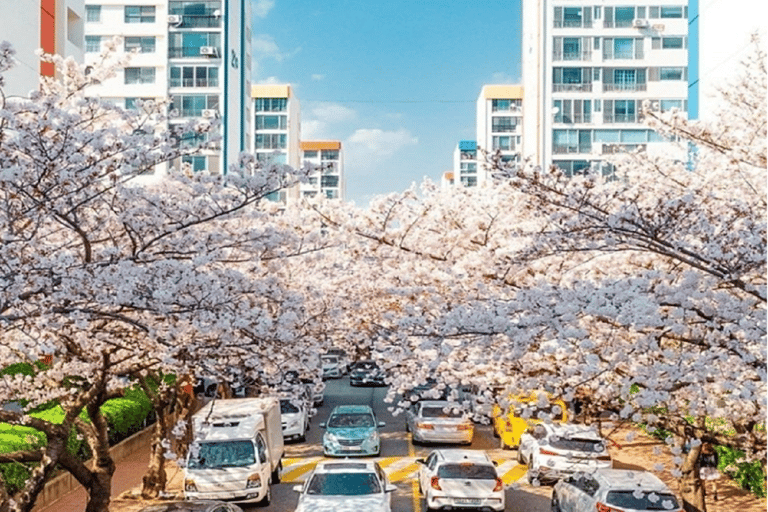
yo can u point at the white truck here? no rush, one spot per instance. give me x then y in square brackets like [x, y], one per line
[236, 452]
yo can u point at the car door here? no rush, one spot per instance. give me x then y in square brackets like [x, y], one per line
[585, 501]
[426, 471]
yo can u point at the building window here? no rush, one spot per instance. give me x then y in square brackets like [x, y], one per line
[329, 181]
[271, 141]
[271, 104]
[189, 44]
[139, 75]
[669, 43]
[503, 143]
[92, 44]
[139, 13]
[503, 124]
[623, 48]
[469, 181]
[131, 103]
[329, 154]
[504, 105]
[310, 154]
[667, 105]
[624, 16]
[92, 13]
[271, 122]
[671, 11]
[140, 44]
[192, 105]
[195, 162]
[671, 74]
[194, 76]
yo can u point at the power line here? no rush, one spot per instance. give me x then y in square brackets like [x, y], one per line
[390, 101]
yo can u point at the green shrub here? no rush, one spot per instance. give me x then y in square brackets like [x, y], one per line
[750, 475]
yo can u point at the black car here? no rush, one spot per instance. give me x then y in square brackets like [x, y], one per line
[366, 373]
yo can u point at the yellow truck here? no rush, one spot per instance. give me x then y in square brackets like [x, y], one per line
[523, 412]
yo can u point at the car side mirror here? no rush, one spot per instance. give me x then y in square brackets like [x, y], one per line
[495, 463]
[382, 424]
[297, 488]
[390, 488]
[420, 461]
[322, 425]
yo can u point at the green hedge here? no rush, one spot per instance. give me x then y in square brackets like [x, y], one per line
[124, 415]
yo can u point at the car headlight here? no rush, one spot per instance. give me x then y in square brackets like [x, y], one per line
[293, 423]
[373, 436]
[330, 437]
[189, 485]
[254, 481]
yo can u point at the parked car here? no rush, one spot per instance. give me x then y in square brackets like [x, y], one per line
[554, 451]
[331, 366]
[352, 430]
[295, 418]
[344, 360]
[438, 421]
[347, 485]
[459, 479]
[613, 490]
[192, 506]
[522, 413]
[366, 373]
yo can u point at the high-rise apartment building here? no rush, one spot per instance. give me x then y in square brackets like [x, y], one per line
[194, 53]
[56, 26]
[464, 164]
[328, 181]
[588, 68]
[278, 128]
[499, 126]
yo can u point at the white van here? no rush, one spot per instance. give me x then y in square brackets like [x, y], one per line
[236, 452]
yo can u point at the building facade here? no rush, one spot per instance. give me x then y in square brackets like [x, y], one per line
[196, 54]
[465, 171]
[499, 126]
[328, 181]
[56, 26]
[588, 68]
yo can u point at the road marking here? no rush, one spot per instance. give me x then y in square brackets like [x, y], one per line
[416, 500]
[398, 469]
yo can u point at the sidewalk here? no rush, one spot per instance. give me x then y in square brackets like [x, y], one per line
[128, 473]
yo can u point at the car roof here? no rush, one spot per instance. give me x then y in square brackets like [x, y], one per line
[571, 430]
[624, 479]
[346, 466]
[438, 403]
[459, 455]
[342, 409]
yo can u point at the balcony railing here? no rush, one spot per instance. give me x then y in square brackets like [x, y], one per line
[619, 118]
[583, 55]
[565, 149]
[191, 21]
[617, 23]
[624, 87]
[573, 118]
[194, 82]
[572, 87]
[610, 149]
[175, 52]
[573, 23]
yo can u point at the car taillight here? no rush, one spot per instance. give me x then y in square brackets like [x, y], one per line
[605, 508]
[464, 427]
[547, 452]
[425, 426]
[499, 485]
[435, 483]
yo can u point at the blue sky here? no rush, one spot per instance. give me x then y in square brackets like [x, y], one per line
[396, 81]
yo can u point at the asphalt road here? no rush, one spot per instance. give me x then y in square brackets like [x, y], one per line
[397, 457]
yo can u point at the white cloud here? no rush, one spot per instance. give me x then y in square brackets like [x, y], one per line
[331, 112]
[318, 77]
[501, 77]
[321, 120]
[270, 80]
[313, 129]
[261, 8]
[366, 149]
[265, 46]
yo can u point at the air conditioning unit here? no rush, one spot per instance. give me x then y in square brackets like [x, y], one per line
[174, 19]
[210, 113]
[210, 51]
[640, 23]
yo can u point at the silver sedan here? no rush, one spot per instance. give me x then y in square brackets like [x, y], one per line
[439, 421]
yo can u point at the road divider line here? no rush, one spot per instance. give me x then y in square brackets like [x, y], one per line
[415, 498]
[514, 474]
[298, 470]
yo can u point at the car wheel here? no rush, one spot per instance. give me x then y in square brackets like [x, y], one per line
[502, 444]
[520, 459]
[407, 428]
[276, 474]
[555, 503]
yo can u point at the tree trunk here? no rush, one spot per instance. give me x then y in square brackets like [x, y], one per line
[100, 490]
[691, 485]
[155, 479]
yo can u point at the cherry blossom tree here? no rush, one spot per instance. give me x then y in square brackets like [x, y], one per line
[115, 278]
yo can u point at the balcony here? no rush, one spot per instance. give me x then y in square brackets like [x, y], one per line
[575, 23]
[619, 118]
[612, 149]
[196, 21]
[573, 118]
[583, 55]
[572, 87]
[567, 149]
[194, 82]
[175, 52]
[625, 87]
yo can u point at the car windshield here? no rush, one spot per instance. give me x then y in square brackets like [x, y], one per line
[440, 412]
[330, 359]
[351, 420]
[344, 484]
[286, 407]
[467, 470]
[552, 411]
[223, 454]
[642, 500]
[575, 444]
[366, 366]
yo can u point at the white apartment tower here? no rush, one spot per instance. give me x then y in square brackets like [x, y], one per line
[588, 67]
[278, 129]
[499, 126]
[194, 53]
[328, 181]
[465, 171]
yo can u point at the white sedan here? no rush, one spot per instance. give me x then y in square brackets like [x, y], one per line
[438, 421]
[615, 490]
[346, 485]
[553, 451]
[295, 419]
[460, 479]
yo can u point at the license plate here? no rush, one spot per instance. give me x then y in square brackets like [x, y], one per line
[467, 501]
